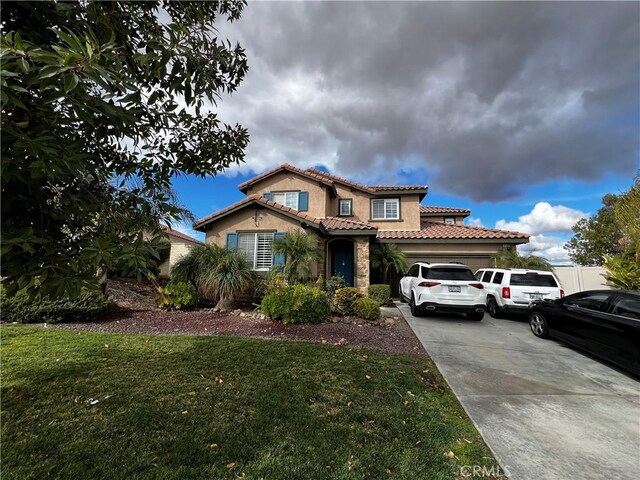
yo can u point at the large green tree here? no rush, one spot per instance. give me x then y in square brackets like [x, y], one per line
[597, 236]
[103, 103]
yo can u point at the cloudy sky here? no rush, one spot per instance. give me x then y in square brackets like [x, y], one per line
[527, 113]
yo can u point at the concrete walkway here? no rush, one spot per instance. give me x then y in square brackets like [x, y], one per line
[546, 410]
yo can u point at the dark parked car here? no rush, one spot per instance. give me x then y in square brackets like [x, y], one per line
[605, 323]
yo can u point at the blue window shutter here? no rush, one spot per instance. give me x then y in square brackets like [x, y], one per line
[232, 241]
[278, 258]
[267, 196]
[303, 202]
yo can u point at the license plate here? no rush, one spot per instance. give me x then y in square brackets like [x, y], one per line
[454, 289]
[535, 296]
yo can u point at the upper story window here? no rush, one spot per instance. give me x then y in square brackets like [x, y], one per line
[345, 207]
[288, 199]
[385, 209]
[450, 220]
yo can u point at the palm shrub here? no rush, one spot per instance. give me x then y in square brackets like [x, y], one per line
[388, 257]
[300, 250]
[513, 259]
[217, 273]
[229, 277]
[622, 272]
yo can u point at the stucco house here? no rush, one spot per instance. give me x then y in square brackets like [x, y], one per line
[348, 217]
[180, 245]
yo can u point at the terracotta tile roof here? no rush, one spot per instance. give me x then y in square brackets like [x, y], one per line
[337, 223]
[259, 199]
[286, 167]
[431, 210]
[442, 231]
[335, 178]
[367, 188]
[382, 188]
[177, 234]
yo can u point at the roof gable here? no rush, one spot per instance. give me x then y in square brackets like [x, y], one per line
[255, 199]
[285, 167]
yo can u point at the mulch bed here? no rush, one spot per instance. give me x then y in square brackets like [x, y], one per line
[395, 338]
[137, 313]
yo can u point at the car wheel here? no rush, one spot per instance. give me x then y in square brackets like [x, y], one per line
[477, 316]
[414, 309]
[493, 308]
[538, 325]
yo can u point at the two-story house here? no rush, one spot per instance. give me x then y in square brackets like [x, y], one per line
[348, 217]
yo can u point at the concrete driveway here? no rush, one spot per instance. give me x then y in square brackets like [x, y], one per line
[546, 410]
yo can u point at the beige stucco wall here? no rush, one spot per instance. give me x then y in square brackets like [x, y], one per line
[179, 248]
[361, 207]
[249, 219]
[285, 181]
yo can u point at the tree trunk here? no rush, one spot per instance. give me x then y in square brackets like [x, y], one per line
[102, 280]
[385, 274]
[225, 304]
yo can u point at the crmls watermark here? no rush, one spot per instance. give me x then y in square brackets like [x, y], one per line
[482, 471]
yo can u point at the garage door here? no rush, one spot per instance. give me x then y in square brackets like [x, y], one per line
[474, 262]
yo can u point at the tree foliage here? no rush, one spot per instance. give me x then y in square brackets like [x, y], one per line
[102, 104]
[386, 257]
[511, 258]
[300, 250]
[596, 236]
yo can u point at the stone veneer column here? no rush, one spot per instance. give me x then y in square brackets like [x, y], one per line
[362, 263]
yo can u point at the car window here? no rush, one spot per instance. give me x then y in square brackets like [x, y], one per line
[533, 280]
[479, 274]
[627, 307]
[497, 278]
[413, 271]
[487, 276]
[449, 273]
[592, 301]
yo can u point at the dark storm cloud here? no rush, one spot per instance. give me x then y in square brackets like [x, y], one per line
[484, 97]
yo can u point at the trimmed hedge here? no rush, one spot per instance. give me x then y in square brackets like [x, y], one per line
[296, 304]
[176, 296]
[20, 308]
[380, 293]
[344, 299]
[366, 308]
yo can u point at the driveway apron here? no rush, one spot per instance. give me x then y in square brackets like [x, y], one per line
[546, 410]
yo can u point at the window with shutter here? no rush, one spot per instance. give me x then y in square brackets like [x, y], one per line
[288, 199]
[256, 248]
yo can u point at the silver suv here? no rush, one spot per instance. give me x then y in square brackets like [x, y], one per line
[510, 290]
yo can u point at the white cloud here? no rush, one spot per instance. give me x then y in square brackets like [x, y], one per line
[551, 248]
[544, 218]
[474, 222]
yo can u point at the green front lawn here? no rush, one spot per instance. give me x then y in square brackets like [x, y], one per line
[207, 407]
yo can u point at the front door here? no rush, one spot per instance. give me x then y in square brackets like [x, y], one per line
[342, 259]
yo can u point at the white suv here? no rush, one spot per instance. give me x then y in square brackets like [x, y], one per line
[510, 290]
[444, 287]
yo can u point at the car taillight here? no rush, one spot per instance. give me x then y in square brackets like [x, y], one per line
[428, 284]
[506, 292]
[476, 285]
[561, 293]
